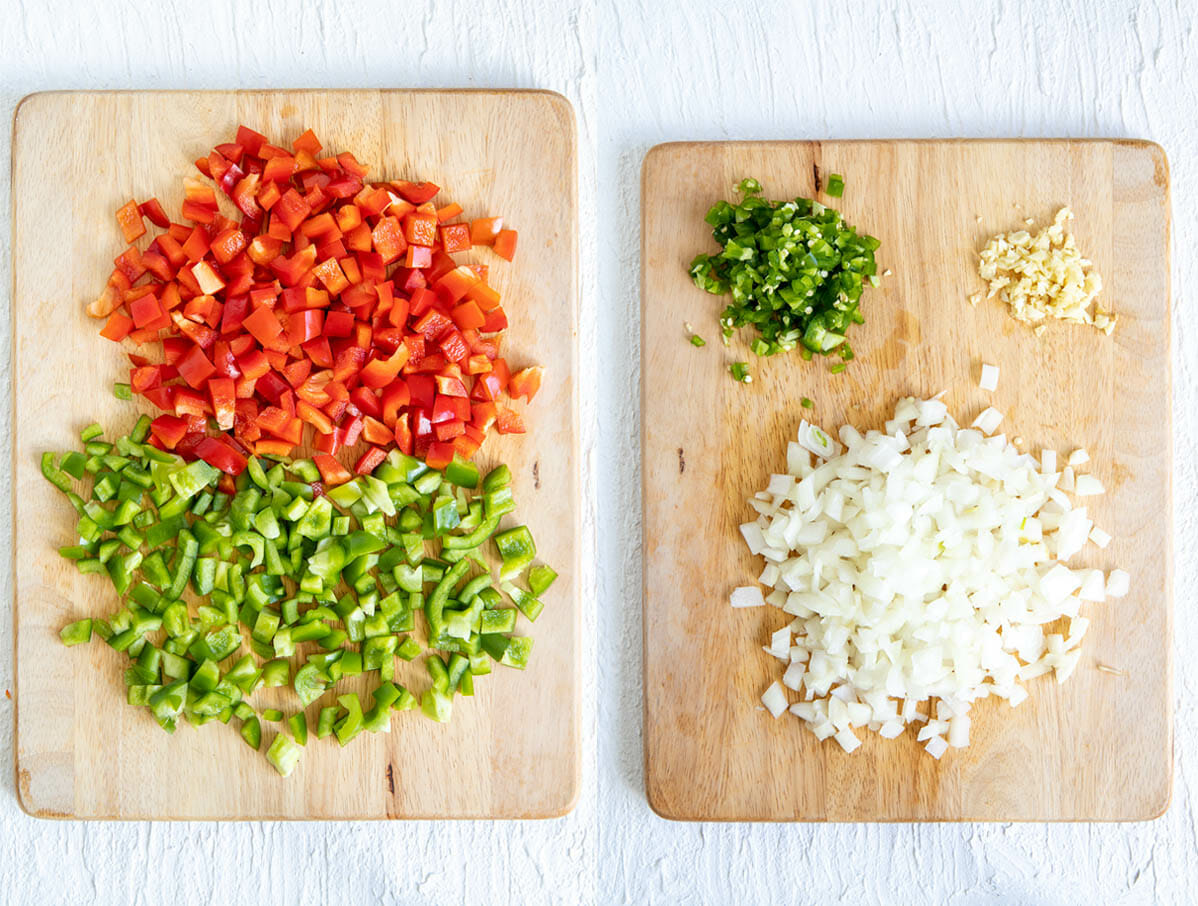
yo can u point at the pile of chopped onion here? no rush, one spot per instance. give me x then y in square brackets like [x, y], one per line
[925, 563]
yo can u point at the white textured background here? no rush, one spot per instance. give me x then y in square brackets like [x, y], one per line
[638, 74]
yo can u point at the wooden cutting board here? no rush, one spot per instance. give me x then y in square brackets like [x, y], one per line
[81, 752]
[1098, 747]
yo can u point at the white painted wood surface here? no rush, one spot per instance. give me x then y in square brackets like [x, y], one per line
[640, 73]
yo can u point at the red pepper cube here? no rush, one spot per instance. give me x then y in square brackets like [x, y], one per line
[455, 237]
[196, 245]
[129, 264]
[128, 216]
[152, 211]
[416, 192]
[418, 256]
[291, 209]
[221, 393]
[264, 326]
[484, 230]
[207, 278]
[145, 310]
[195, 368]
[330, 274]
[421, 229]
[387, 239]
[307, 142]
[505, 244]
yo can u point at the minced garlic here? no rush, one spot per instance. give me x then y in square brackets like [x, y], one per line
[1044, 276]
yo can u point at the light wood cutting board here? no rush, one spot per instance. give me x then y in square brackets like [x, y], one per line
[81, 752]
[1098, 747]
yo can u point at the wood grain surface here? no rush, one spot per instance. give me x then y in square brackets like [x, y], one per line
[1098, 747]
[512, 751]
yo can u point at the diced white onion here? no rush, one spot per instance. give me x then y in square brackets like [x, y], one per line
[747, 596]
[1118, 583]
[988, 420]
[774, 700]
[1088, 486]
[989, 379]
[924, 564]
[936, 747]
[1079, 457]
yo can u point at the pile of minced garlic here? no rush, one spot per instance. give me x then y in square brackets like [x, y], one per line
[1044, 276]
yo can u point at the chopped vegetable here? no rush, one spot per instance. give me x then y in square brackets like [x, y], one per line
[283, 754]
[262, 555]
[989, 378]
[928, 562]
[835, 185]
[330, 302]
[795, 271]
[740, 372]
[1044, 276]
[806, 402]
[697, 340]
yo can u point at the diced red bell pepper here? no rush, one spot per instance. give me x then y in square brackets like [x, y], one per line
[348, 362]
[152, 211]
[314, 417]
[387, 238]
[145, 377]
[191, 403]
[264, 326]
[319, 351]
[339, 323]
[366, 402]
[162, 397]
[291, 271]
[403, 434]
[271, 387]
[484, 230]
[221, 456]
[328, 443]
[381, 372]
[128, 216]
[129, 264]
[394, 397]
[221, 392]
[422, 390]
[439, 455]
[418, 256]
[453, 346]
[455, 237]
[509, 422]
[146, 311]
[505, 244]
[525, 382]
[330, 274]
[370, 460]
[331, 470]
[496, 321]
[374, 431]
[468, 316]
[169, 429]
[416, 192]
[449, 430]
[195, 368]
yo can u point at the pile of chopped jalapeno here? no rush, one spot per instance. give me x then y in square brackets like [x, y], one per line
[341, 570]
[795, 271]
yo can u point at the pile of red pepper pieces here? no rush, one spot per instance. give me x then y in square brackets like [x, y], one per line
[332, 301]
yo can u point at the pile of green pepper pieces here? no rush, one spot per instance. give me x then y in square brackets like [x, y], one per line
[346, 568]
